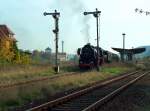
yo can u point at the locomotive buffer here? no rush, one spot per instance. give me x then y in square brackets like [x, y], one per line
[55, 31]
[96, 14]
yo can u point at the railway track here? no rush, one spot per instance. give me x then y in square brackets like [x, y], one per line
[92, 98]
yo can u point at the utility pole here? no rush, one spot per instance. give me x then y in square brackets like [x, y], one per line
[62, 46]
[55, 31]
[96, 14]
[123, 46]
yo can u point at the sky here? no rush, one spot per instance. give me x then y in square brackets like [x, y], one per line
[34, 31]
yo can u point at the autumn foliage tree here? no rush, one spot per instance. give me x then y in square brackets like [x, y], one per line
[14, 55]
[9, 52]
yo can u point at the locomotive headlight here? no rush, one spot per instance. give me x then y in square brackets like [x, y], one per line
[81, 62]
[91, 62]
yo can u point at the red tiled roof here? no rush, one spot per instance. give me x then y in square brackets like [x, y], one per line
[2, 34]
[5, 31]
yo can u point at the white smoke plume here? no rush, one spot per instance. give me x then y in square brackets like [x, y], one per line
[74, 10]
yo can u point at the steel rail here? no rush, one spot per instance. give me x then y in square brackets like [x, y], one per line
[44, 106]
[108, 97]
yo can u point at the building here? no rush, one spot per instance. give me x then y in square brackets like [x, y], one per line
[7, 41]
[48, 50]
[128, 54]
[61, 57]
[6, 37]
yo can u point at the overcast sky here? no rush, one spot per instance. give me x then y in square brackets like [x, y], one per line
[34, 31]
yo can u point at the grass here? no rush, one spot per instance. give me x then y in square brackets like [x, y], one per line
[112, 70]
[20, 95]
[18, 73]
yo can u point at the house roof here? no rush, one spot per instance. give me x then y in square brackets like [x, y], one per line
[5, 31]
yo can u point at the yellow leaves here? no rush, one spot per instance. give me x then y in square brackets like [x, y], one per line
[7, 44]
[6, 54]
[9, 54]
[25, 59]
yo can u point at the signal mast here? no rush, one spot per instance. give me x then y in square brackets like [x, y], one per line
[96, 14]
[55, 31]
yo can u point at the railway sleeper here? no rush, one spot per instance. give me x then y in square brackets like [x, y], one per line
[66, 109]
[77, 105]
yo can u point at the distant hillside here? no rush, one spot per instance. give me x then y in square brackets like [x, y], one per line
[144, 54]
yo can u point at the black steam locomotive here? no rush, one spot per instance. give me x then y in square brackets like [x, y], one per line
[88, 56]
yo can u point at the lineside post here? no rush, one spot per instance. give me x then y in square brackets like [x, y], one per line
[123, 59]
[96, 14]
[55, 31]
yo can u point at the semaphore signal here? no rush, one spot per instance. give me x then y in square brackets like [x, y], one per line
[56, 16]
[96, 14]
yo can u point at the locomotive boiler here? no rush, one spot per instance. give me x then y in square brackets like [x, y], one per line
[89, 58]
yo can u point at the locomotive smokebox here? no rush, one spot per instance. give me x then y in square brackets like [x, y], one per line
[85, 13]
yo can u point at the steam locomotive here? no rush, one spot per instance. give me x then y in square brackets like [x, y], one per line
[89, 58]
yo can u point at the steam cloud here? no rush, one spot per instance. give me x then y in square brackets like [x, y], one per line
[75, 9]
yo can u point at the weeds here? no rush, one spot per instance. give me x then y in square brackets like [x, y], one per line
[24, 72]
[23, 94]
